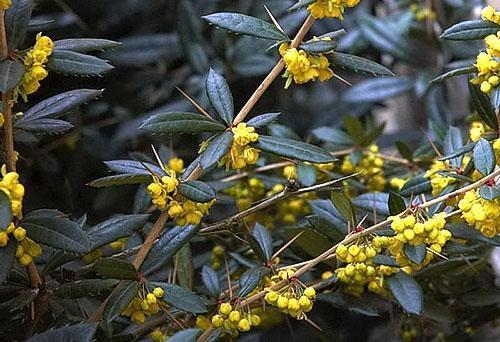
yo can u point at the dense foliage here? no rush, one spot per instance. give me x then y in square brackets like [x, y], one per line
[249, 170]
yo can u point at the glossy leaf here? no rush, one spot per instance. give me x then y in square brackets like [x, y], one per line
[197, 191]
[333, 136]
[186, 335]
[119, 180]
[407, 292]
[415, 253]
[358, 64]
[415, 186]
[318, 46]
[377, 89]
[396, 203]
[119, 299]
[495, 98]
[489, 193]
[462, 231]
[5, 211]
[134, 167]
[263, 119]
[78, 64]
[344, 206]
[250, 279]
[484, 157]
[455, 72]
[247, 25]
[115, 268]
[220, 96]
[453, 142]
[78, 333]
[211, 281]
[373, 200]
[264, 239]
[182, 298]
[470, 30]
[180, 122]
[85, 288]
[293, 149]
[216, 149]
[11, 74]
[306, 174]
[84, 44]
[481, 103]
[7, 258]
[17, 19]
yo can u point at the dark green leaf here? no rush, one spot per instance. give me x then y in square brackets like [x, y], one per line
[306, 174]
[404, 150]
[358, 64]
[482, 297]
[326, 210]
[250, 279]
[7, 258]
[470, 30]
[318, 46]
[84, 44]
[247, 25]
[134, 167]
[182, 298]
[484, 157]
[373, 200]
[489, 193]
[5, 211]
[17, 19]
[415, 253]
[50, 126]
[460, 152]
[482, 105]
[11, 73]
[115, 268]
[452, 143]
[333, 136]
[325, 227]
[396, 203]
[166, 247]
[220, 96]
[495, 98]
[211, 281]
[197, 191]
[119, 299]
[85, 288]
[407, 292]
[187, 335]
[462, 231]
[216, 149]
[123, 179]
[172, 122]
[264, 239]
[356, 305]
[454, 72]
[293, 149]
[263, 119]
[415, 186]
[53, 229]
[386, 260]
[344, 206]
[300, 4]
[377, 89]
[76, 63]
[73, 333]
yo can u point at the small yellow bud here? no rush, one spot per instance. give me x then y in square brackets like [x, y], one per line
[158, 292]
[310, 292]
[225, 309]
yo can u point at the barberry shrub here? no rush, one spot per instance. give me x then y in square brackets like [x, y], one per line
[287, 210]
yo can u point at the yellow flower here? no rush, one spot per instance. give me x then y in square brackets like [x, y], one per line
[176, 164]
[330, 8]
[241, 154]
[476, 131]
[244, 135]
[490, 14]
[5, 4]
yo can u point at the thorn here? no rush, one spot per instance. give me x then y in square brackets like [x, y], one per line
[275, 22]
[194, 103]
[342, 79]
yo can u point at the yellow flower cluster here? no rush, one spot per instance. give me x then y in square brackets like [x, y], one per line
[477, 129]
[34, 63]
[188, 212]
[439, 182]
[234, 320]
[27, 248]
[330, 8]
[488, 68]
[490, 14]
[216, 258]
[241, 154]
[143, 305]
[118, 245]
[414, 231]
[13, 189]
[371, 168]
[162, 189]
[176, 164]
[5, 4]
[293, 299]
[302, 67]
[481, 213]
[422, 12]
[397, 183]
[360, 269]
[158, 336]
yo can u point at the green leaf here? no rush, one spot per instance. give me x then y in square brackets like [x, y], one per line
[495, 98]
[184, 260]
[5, 211]
[7, 258]
[415, 253]
[187, 335]
[247, 25]
[489, 193]
[358, 64]
[454, 72]
[300, 4]
[263, 119]
[463, 231]
[17, 19]
[386, 260]
[168, 244]
[453, 142]
[250, 279]
[306, 174]
[57, 106]
[216, 149]
[197, 191]
[373, 200]
[53, 229]
[134, 167]
[416, 186]
[11, 74]
[76, 63]
[356, 305]
[344, 206]
[333, 136]
[182, 298]
[318, 46]
[377, 89]
[220, 96]
[50, 126]
[77, 333]
[325, 227]
[396, 203]
[484, 157]
[482, 297]
[407, 292]
[123, 179]
[404, 150]
[85, 288]
[119, 299]
[460, 152]
[482, 105]
[211, 281]
[325, 209]
[85, 44]
[115, 268]
[264, 239]
[470, 30]
[293, 149]
[180, 122]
